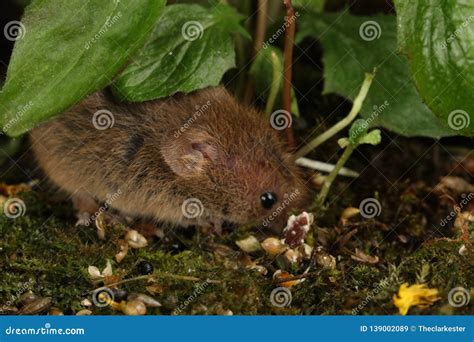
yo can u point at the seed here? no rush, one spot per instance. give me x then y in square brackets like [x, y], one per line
[8, 310]
[147, 300]
[306, 251]
[134, 307]
[293, 256]
[144, 267]
[86, 302]
[27, 297]
[349, 213]
[55, 312]
[280, 275]
[249, 244]
[463, 250]
[273, 246]
[101, 226]
[324, 259]
[36, 306]
[123, 251]
[84, 312]
[135, 239]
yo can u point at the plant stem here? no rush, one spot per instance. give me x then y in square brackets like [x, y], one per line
[330, 178]
[260, 33]
[290, 24]
[276, 83]
[356, 106]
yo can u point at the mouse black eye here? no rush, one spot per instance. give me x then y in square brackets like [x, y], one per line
[268, 199]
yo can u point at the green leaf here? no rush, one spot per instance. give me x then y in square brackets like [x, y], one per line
[358, 135]
[343, 142]
[372, 138]
[191, 48]
[68, 51]
[355, 45]
[358, 130]
[438, 38]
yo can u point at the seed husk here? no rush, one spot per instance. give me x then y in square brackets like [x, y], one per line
[27, 297]
[147, 300]
[249, 244]
[134, 307]
[36, 306]
[84, 312]
[273, 246]
[135, 239]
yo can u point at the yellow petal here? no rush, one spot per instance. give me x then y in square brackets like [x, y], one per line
[415, 295]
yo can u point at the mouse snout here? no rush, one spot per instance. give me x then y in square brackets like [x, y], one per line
[291, 202]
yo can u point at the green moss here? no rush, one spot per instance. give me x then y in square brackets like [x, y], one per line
[45, 250]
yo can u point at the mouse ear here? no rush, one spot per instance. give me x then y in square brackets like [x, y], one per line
[188, 155]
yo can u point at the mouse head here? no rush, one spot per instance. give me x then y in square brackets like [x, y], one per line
[235, 164]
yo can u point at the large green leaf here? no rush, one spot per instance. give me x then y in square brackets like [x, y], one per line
[191, 48]
[68, 50]
[355, 45]
[438, 38]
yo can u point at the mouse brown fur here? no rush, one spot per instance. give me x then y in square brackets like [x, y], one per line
[160, 155]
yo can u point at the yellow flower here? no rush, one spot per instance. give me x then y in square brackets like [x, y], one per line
[416, 295]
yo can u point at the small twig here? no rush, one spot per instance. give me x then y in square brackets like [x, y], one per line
[325, 167]
[356, 107]
[346, 237]
[162, 275]
[276, 82]
[301, 276]
[290, 24]
[260, 33]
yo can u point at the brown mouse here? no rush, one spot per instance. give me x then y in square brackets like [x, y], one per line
[191, 159]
